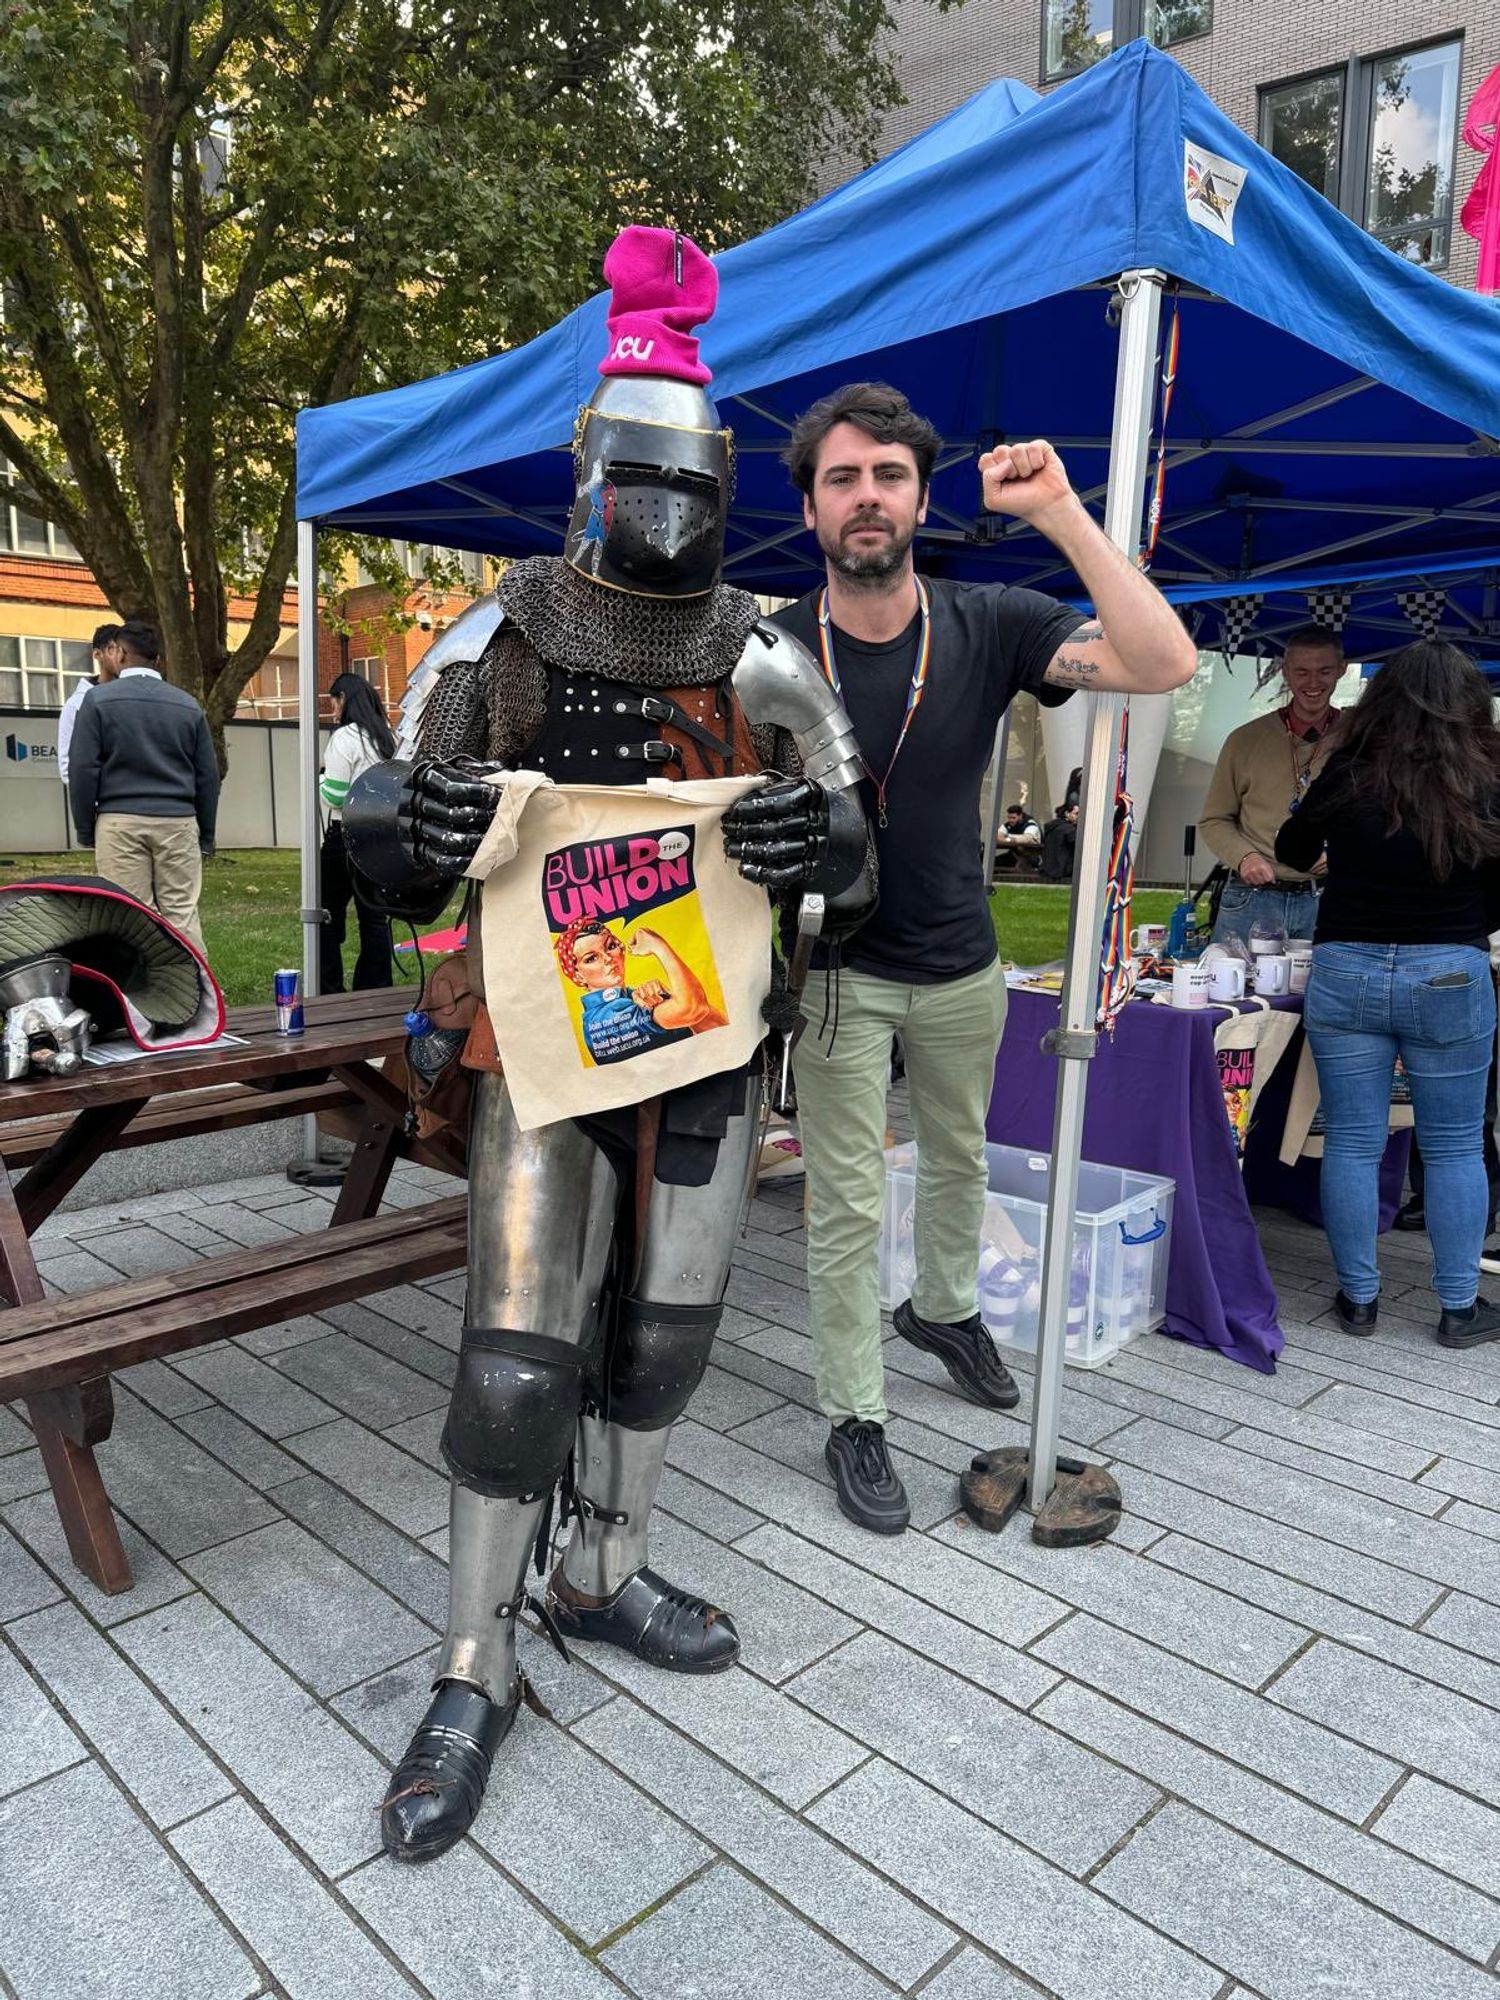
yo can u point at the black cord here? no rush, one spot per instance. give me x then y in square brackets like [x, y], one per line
[421, 968]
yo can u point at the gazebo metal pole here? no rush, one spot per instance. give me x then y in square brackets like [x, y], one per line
[307, 776]
[1075, 1038]
[997, 788]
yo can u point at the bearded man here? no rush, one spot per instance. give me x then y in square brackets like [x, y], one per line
[926, 667]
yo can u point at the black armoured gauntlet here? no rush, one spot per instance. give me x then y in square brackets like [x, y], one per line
[413, 829]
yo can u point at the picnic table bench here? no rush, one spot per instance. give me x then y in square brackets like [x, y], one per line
[58, 1354]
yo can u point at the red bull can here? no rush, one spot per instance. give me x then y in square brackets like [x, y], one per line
[286, 991]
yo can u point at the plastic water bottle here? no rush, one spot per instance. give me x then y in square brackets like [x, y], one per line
[1001, 1290]
[1078, 1294]
[429, 1050]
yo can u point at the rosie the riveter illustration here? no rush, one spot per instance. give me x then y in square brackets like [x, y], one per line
[620, 1020]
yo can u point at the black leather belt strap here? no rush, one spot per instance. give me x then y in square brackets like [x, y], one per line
[660, 708]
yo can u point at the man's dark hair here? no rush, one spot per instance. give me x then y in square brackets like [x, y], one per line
[875, 408]
[104, 635]
[139, 639]
[1016, 809]
[1311, 636]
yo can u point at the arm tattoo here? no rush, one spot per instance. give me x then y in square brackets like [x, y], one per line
[1069, 667]
[1077, 667]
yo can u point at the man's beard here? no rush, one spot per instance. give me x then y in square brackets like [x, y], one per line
[878, 569]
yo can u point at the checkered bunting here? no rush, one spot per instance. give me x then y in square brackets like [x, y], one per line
[1237, 618]
[1330, 608]
[1424, 609]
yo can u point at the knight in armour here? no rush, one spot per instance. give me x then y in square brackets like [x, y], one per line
[599, 1247]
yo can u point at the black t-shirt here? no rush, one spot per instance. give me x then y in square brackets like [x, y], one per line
[989, 643]
[1380, 886]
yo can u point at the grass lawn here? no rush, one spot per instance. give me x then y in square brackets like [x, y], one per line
[250, 901]
[1031, 919]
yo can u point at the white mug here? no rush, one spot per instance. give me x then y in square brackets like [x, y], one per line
[1273, 974]
[1149, 940]
[1301, 967]
[1226, 979]
[1190, 984]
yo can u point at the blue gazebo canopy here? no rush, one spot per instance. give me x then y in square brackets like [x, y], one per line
[1335, 410]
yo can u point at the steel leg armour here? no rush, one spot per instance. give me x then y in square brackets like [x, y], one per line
[541, 1219]
[657, 1353]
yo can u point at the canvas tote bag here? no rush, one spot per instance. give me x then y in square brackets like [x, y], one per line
[624, 953]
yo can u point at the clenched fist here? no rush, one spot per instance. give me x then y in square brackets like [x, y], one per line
[1024, 480]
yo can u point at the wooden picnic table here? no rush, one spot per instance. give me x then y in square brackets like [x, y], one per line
[57, 1354]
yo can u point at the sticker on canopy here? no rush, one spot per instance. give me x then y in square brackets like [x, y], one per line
[1211, 187]
[634, 961]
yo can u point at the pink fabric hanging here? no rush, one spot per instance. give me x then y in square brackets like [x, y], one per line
[1481, 212]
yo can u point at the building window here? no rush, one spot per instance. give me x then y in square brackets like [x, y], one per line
[1377, 138]
[23, 534]
[41, 673]
[372, 668]
[1170, 21]
[1076, 33]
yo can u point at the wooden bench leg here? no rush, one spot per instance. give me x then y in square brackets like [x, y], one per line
[67, 1424]
[375, 1153]
[76, 1481]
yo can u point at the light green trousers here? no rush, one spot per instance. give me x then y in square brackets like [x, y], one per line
[951, 1035]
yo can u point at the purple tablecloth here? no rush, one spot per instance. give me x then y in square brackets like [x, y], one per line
[1154, 1103]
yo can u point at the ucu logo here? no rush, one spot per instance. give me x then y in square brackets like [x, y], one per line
[631, 347]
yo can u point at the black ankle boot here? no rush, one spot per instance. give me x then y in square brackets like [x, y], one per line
[437, 1788]
[651, 1618]
[1352, 1318]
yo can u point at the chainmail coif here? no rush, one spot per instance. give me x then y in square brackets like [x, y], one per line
[493, 708]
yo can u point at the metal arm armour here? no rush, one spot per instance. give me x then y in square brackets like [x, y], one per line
[443, 716]
[780, 686]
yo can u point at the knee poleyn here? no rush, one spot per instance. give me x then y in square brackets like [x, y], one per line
[653, 1362]
[513, 1413]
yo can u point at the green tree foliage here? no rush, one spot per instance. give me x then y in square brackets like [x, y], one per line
[213, 215]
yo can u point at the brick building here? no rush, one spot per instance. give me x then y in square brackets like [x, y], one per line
[1365, 98]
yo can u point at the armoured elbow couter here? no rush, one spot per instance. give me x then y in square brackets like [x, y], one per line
[781, 686]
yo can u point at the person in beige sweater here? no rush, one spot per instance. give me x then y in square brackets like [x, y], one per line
[1263, 770]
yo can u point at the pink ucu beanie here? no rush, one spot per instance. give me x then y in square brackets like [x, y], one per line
[662, 286]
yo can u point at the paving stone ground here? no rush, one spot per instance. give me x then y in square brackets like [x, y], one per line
[1250, 1748]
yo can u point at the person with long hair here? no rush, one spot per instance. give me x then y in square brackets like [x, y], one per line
[362, 736]
[1407, 813]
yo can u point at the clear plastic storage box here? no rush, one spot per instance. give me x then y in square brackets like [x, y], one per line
[1121, 1236]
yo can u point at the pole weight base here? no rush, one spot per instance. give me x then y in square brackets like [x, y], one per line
[1084, 1506]
[317, 1173]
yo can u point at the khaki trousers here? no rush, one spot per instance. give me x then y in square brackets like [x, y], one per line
[951, 1035]
[157, 861]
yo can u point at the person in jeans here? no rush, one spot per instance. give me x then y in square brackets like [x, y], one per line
[143, 781]
[361, 739]
[1407, 813]
[926, 668]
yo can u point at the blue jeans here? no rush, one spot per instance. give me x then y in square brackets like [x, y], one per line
[1434, 1006]
[1292, 908]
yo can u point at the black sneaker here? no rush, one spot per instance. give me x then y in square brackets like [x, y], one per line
[966, 1351]
[870, 1493]
[1352, 1318]
[1481, 1322]
[1410, 1215]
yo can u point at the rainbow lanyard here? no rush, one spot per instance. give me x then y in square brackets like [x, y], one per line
[913, 694]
